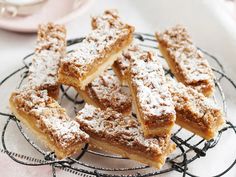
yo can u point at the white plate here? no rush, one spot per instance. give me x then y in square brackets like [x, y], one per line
[60, 12]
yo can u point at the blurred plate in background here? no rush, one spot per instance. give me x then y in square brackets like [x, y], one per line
[56, 11]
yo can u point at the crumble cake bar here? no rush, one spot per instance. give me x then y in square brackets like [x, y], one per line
[94, 54]
[49, 121]
[105, 91]
[113, 132]
[152, 100]
[194, 111]
[121, 65]
[186, 61]
[51, 44]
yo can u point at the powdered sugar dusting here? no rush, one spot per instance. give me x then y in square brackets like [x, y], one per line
[147, 76]
[50, 117]
[109, 19]
[43, 70]
[123, 61]
[87, 111]
[63, 130]
[120, 130]
[107, 90]
[48, 53]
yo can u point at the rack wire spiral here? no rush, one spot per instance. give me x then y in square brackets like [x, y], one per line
[189, 148]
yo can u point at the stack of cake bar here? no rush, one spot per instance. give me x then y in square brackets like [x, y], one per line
[105, 122]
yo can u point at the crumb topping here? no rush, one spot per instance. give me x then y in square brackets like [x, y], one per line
[48, 53]
[109, 19]
[189, 60]
[51, 37]
[123, 61]
[147, 76]
[119, 130]
[50, 117]
[107, 90]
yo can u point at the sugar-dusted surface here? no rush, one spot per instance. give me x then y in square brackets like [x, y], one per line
[106, 89]
[49, 117]
[98, 45]
[147, 76]
[50, 49]
[109, 19]
[202, 111]
[123, 62]
[51, 37]
[189, 61]
[43, 71]
[117, 129]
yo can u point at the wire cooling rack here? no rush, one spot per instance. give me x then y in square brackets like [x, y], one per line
[189, 146]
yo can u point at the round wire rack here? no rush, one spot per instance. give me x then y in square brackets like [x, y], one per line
[189, 146]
